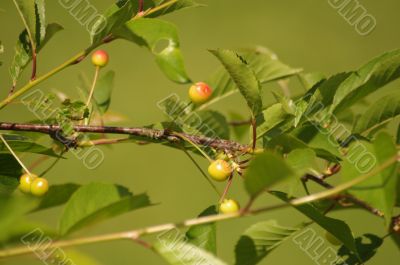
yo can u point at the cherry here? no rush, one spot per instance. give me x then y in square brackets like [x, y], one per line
[100, 58]
[332, 239]
[25, 182]
[220, 170]
[39, 187]
[229, 206]
[200, 92]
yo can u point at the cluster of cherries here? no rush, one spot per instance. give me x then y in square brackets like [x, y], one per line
[31, 183]
[219, 169]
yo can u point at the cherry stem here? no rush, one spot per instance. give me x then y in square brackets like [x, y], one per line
[254, 127]
[96, 76]
[201, 170]
[140, 6]
[195, 145]
[228, 185]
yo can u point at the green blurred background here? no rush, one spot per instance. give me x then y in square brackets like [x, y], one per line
[308, 34]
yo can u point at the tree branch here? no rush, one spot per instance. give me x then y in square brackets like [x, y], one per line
[145, 133]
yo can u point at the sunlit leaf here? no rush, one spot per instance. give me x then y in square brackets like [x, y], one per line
[96, 202]
[151, 33]
[243, 76]
[381, 111]
[259, 240]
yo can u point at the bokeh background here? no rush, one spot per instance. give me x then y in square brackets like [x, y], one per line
[307, 34]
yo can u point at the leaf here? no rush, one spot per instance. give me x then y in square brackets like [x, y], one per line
[152, 33]
[102, 93]
[57, 195]
[10, 171]
[78, 257]
[265, 170]
[176, 251]
[204, 235]
[301, 160]
[27, 147]
[369, 78]
[114, 18]
[270, 118]
[259, 240]
[380, 112]
[23, 51]
[379, 190]
[337, 228]
[96, 202]
[243, 76]
[366, 249]
[208, 123]
[265, 65]
[288, 142]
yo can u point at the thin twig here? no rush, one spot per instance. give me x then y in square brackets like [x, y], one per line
[145, 133]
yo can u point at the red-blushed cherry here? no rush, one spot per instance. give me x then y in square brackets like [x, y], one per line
[220, 170]
[100, 58]
[200, 92]
[25, 182]
[39, 187]
[229, 206]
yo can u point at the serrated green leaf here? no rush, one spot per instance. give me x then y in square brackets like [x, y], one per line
[57, 195]
[259, 240]
[336, 227]
[243, 76]
[205, 235]
[102, 93]
[369, 78]
[381, 111]
[265, 65]
[151, 33]
[96, 202]
[265, 171]
[175, 250]
[379, 190]
[287, 142]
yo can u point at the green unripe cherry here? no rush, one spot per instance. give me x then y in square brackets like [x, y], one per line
[25, 182]
[220, 170]
[39, 187]
[229, 206]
